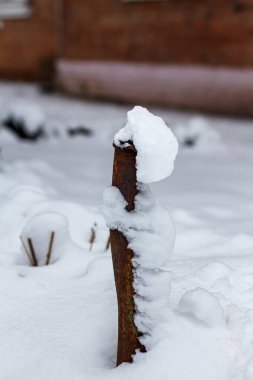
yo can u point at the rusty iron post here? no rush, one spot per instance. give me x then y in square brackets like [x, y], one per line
[124, 178]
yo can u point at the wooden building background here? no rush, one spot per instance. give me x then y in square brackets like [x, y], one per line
[80, 42]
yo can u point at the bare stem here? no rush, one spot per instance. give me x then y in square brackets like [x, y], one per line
[49, 252]
[26, 251]
[108, 243]
[92, 236]
[32, 251]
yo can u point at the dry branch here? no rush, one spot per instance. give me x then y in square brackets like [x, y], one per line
[27, 252]
[49, 252]
[93, 236]
[32, 251]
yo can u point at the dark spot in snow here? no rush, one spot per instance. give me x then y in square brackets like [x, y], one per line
[189, 142]
[79, 131]
[20, 129]
[47, 88]
[21, 275]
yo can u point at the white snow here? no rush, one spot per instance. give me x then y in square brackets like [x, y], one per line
[148, 226]
[14, 9]
[154, 141]
[203, 306]
[60, 321]
[198, 134]
[26, 112]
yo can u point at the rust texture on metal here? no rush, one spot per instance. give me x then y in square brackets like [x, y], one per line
[124, 178]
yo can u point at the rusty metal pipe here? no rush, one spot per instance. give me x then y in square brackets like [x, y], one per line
[124, 178]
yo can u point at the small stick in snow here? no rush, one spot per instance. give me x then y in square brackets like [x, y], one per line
[27, 252]
[32, 251]
[93, 236]
[108, 243]
[49, 252]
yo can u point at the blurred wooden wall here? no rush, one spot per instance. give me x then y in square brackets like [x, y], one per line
[107, 37]
[209, 32]
[27, 45]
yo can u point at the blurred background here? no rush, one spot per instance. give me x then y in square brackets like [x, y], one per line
[182, 54]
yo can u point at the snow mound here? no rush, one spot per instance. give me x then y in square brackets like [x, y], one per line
[249, 369]
[80, 233]
[154, 141]
[28, 114]
[40, 229]
[27, 194]
[213, 272]
[202, 306]
[198, 134]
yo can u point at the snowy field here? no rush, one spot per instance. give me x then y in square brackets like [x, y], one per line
[59, 322]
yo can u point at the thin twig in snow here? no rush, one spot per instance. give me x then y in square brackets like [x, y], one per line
[49, 253]
[32, 251]
[93, 236]
[27, 252]
[108, 243]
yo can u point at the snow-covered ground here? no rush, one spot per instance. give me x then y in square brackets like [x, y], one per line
[59, 322]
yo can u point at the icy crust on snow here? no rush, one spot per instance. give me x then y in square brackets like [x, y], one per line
[150, 232]
[155, 143]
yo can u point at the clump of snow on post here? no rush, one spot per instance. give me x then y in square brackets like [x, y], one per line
[149, 228]
[150, 232]
[40, 228]
[155, 143]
